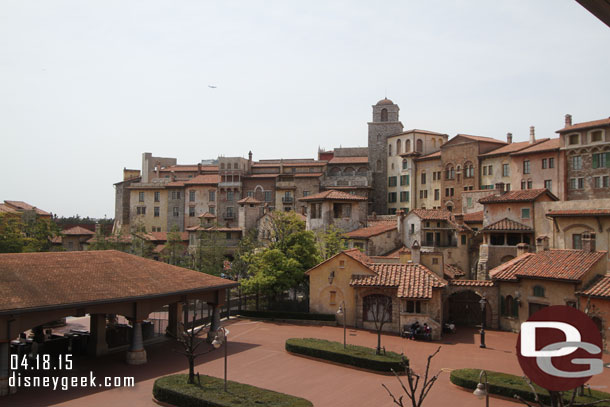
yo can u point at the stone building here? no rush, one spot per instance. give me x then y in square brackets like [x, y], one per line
[428, 195]
[587, 150]
[347, 170]
[375, 240]
[199, 197]
[403, 182]
[385, 123]
[74, 239]
[460, 163]
[231, 171]
[346, 212]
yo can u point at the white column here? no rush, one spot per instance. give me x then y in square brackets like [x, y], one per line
[136, 354]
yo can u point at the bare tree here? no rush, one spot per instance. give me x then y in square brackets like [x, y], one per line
[557, 399]
[379, 308]
[188, 336]
[413, 381]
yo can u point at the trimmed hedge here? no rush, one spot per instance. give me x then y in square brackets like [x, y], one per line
[508, 385]
[288, 315]
[175, 390]
[353, 355]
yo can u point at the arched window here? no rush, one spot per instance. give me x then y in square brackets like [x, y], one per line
[362, 171]
[384, 115]
[389, 150]
[398, 146]
[222, 166]
[408, 146]
[335, 172]
[468, 170]
[349, 171]
[377, 307]
[434, 142]
[235, 166]
[449, 172]
[538, 291]
[420, 146]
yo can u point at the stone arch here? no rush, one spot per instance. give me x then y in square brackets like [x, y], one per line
[408, 146]
[419, 145]
[398, 146]
[361, 171]
[349, 171]
[463, 308]
[335, 172]
[384, 115]
[579, 225]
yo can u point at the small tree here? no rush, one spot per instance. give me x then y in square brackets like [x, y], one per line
[174, 248]
[188, 336]
[210, 252]
[413, 381]
[330, 242]
[379, 308]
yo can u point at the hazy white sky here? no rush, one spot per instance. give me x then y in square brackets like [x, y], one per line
[87, 86]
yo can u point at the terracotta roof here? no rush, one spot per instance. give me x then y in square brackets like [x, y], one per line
[7, 209]
[385, 101]
[77, 231]
[599, 289]
[308, 174]
[522, 195]
[480, 138]
[158, 248]
[395, 254]
[249, 200]
[569, 265]
[204, 179]
[510, 148]
[585, 125]
[162, 236]
[333, 195]
[546, 145]
[411, 280]
[54, 280]
[436, 154]
[178, 168]
[475, 217]
[207, 215]
[262, 176]
[113, 238]
[432, 214]
[349, 160]
[175, 184]
[371, 231]
[579, 212]
[357, 255]
[472, 283]
[434, 133]
[452, 271]
[212, 229]
[24, 206]
[507, 224]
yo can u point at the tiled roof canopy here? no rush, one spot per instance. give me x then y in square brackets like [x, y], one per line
[432, 214]
[523, 195]
[508, 225]
[411, 280]
[546, 145]
[249, 200]
[24, 206]
[29, 281]
[570, 265]
[452, 271]
[475, 217]
[333, 195]
[600, 289]
[204, 179]
[371, 231]
[510, 148]
[472, 283]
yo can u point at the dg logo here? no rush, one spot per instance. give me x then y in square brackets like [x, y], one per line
[559, 348]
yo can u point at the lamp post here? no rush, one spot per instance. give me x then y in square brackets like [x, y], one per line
[482, 390]
[482, 302]
[218, 341]
[341, 312]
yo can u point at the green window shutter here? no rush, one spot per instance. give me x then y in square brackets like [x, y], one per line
[515, 310]
[408, 181]
[502, 306]
[407, 200]
[607, 160]
[595, 160]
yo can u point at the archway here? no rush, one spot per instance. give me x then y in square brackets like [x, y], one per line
[464, 309]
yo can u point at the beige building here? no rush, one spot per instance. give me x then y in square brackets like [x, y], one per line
[428, 195]
[148, 206]
[200, 197]
[377, 239]
[346, 212]
[403, 181]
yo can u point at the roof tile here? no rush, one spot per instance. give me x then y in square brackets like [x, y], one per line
[522, 195]
[333, 195]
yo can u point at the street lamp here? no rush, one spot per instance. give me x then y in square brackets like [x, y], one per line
[482, 390]
[482, 302]
[222, 335]
[342, 312]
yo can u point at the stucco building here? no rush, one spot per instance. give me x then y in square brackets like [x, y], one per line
[429, 168]
[346, 212]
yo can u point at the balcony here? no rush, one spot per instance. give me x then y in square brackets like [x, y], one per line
[287, 199]
[430, 243]
[285, 185]
[229, 184]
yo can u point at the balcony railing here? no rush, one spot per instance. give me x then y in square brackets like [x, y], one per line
[287, 199]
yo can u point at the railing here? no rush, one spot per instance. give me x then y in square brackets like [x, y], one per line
[287, 199]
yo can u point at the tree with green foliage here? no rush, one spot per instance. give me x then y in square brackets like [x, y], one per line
[174, 248]
[38, 234]
[210, 252]
[140, 245]
[11, 234]
[330, 242]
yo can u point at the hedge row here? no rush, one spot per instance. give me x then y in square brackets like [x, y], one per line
[175, 390]
[508, 385]
[352, 355]
[288, 315]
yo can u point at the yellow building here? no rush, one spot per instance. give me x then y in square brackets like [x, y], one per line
[428, 195]
[148, 207]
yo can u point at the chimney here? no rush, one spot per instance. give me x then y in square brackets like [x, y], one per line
[542, 243]
[568, 120]
[158, 168]
[198, 168]
[500, 188]
[588, 242]
[509, 138]
[415, 253]
[532, 135]
[250, 157]
[522, 248]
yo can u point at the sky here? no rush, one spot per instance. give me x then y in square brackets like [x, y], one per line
[87, 86]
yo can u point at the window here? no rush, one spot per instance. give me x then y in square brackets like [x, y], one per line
[463, 239]
[211, 196]
[228, 236]
[551, 162]
[490, 171]
[403, 180]
[333, 298]
[544, 163]
[601, 160]
[450, 191]
[192, 196]
[141, 210]
[413, 307]
[156, 210]
[250, 194]
[398, 146]
[523, 184]
[581, 183]
[212, 210]
[423, 178]
[577, 162]
[548, 184]
[305, 193]
[405, 164]
[341, 264]
[176, 211]
[229, 212]
[141, 196]
[407, 146]
[423, 194]
[392, 197]
[484, 170]
[509, 307]
[450, 172]
[316, 211]
[267, 196]
[377, 307]
[577, 241]
[596, 136]
[525, 213]
[404, 196]
[538, 291]
[384, 115]
[342, 210]
[529, 184]
[573, 139]
[437, 194]
[505, 170]
[230, 196]
[526, 166]
[391, 181]
[191, 211]
[606, 181]
[157, 196]
[389, 150]
[420, 146]
[597, 182]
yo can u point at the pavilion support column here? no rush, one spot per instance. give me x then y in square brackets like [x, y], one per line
[174, 320]
[5, 390]
[214, 322]
[136, 355]
[97, 341]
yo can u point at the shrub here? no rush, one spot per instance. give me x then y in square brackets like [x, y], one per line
[508, 385]
[288, 315]
[175, 390]
[352, 355]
